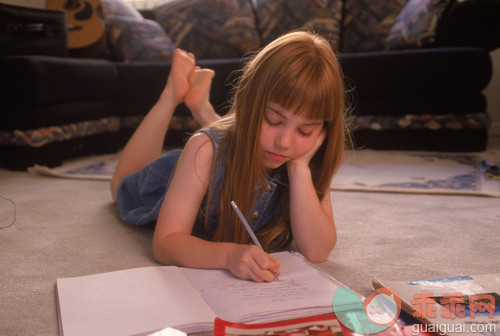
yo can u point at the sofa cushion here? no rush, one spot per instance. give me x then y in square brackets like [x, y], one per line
[277, 17]
[416, 25]
[417, 73]
[210, 28]
[41, 80]
[367, 23]
[131, 39]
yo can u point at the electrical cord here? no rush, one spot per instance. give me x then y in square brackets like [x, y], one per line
[15, 212]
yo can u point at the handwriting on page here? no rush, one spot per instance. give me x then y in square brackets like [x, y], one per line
[287, 288]
[295, 290]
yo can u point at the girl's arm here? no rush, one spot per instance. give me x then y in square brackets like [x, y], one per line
[312, 221]
[173, 243]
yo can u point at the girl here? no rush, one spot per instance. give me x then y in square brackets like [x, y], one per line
[274, 154]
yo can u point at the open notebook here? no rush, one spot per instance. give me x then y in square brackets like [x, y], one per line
[143, 300]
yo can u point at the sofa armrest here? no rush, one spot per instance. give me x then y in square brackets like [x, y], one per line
[473, 23]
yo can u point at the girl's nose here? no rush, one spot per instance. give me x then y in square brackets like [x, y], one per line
[284, 139]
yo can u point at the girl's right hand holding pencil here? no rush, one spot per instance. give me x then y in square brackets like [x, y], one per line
[250, 262]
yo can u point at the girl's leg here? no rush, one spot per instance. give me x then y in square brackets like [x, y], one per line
[198, 97]
[146, 144]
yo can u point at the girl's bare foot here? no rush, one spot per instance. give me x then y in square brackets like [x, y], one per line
[178, 79]
[197, 99]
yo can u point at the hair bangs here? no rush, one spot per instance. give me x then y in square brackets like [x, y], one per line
[306, 84]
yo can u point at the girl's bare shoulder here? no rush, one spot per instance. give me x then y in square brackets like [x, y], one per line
[200, 150]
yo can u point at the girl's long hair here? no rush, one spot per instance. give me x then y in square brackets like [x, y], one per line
[297, 71]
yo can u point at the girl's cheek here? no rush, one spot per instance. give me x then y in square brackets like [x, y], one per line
[264, 133]
[303, 146]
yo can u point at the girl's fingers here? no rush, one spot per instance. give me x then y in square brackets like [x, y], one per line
[266, 265]
[252, 263]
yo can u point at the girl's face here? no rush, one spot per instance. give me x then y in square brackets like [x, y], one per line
[286, 136]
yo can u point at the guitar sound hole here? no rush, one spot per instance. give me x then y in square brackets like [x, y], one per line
[85, 13]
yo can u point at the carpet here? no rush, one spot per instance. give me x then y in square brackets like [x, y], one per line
[362, 170]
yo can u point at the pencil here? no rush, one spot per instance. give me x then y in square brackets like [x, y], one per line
[249, 230]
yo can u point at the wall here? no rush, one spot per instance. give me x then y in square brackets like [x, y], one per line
[492, 93]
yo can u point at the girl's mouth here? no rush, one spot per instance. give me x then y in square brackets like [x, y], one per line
[276, 156]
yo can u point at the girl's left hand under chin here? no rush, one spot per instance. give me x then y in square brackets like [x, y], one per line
[306, 158]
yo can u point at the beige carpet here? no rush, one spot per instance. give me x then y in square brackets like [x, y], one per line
[67, 227]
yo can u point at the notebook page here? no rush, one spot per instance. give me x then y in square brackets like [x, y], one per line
[130, 302]
[302, 290]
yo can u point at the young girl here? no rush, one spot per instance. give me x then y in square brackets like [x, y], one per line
[274, 154]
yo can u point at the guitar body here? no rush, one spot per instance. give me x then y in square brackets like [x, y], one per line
[85, 27]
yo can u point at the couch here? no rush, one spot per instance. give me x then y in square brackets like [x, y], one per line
[414, 71]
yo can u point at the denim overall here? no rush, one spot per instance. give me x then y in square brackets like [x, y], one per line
[140, 195]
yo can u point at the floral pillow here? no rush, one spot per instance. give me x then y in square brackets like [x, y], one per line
[367, 23]
[119, 8]
[210, 28]
[277, 17]
[416, 25]
[130, 39]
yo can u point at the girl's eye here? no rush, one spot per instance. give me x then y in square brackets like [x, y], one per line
[304, 133]
[272, 123]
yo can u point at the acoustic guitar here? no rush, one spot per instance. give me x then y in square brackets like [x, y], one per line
[85, 26]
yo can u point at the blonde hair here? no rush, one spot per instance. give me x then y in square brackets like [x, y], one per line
[296, 71]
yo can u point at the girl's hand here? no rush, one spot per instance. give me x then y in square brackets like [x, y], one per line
[250, 262]
[306, 158]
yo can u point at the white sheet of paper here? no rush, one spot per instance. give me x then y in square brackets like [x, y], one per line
[140, 301]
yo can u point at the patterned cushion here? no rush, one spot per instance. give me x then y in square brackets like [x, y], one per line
[277, 17]
[416, 26]
[210, 28]
[130, 39]
[119, 8]
[367, 23]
